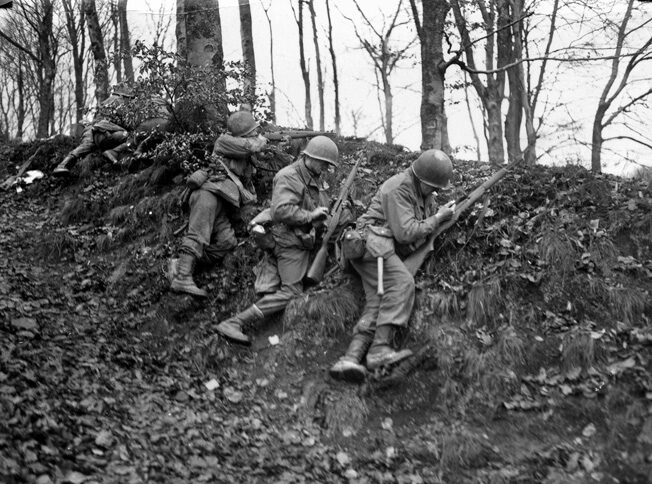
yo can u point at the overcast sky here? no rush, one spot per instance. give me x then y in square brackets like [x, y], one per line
[577, 99]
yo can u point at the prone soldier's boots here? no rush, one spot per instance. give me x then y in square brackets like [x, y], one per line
[381, 352]
[182, 279]
[113, 155]
[63, 168]
[233, 328]
[348, 367]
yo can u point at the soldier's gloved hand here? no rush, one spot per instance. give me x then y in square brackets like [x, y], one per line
[319, 214]
[197, 179]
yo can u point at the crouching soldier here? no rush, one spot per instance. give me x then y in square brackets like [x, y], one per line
[298, 208]
[102, 134]
[398, 221]
[215, 199]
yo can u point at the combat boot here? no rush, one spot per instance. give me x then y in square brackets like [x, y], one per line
[182, 280]
[381, 352]
[348, 367]
[63, 168]
[233, 328]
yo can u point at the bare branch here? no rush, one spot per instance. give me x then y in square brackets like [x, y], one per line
[626, 106]
[647, 145]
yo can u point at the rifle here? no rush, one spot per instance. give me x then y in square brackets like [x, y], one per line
[280, 135]
[414, 261]
[316, 271]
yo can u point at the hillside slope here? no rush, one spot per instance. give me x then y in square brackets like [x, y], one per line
[532, 333]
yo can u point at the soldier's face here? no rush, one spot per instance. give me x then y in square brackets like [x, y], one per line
[427, 189]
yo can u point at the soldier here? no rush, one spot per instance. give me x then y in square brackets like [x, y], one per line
[404, 205]
[299, 205]
[214, 201]
[101, 134]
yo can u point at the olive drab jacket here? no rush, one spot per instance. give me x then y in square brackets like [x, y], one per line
[400, 206]
[295, 193]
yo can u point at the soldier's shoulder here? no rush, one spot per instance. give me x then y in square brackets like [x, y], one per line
[396, 182]
[289, 171]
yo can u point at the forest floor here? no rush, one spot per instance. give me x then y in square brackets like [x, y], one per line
[532, 329]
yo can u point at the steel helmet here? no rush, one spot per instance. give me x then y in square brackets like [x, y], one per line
[241, 123]
[322, 148]
[434, 168]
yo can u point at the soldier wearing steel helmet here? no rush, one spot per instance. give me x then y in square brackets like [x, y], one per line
[298, 208]
[214, 200]
[404, 206]
[101, 134]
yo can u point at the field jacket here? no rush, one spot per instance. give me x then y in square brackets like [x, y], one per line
[400, 206]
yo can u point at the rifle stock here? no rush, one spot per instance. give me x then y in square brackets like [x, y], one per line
[280, 135]
[415, 260]
[316, 271]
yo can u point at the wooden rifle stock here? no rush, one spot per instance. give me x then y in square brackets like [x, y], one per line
[316, 271]
[414, 261]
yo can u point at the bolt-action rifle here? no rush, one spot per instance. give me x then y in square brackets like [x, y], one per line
[281, 135]
[414, 261]
[316, 271]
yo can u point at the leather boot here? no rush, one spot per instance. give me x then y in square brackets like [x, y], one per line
[172, 269]
[381, 352]
[111, 155]
[182, 280]
[348, 367]
[63, 168]
[233, 328]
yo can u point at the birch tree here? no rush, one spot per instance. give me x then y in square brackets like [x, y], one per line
[320, 79]
[96, 37]
[305, 73]
[336, 84]
[248, 55]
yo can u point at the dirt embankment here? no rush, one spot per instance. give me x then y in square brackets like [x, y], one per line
[532, 331]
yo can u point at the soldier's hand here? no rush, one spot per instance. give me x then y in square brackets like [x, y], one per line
[446, 212]
[319, 214]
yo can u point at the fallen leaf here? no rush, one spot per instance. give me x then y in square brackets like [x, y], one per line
[28, 324]
[621, 366]
[589, 430]
[104, 439]
[343, 458]
[212, 384]
[74, 477]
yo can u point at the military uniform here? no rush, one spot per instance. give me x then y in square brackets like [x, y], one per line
[295, 193]
[214, 202]
[403, 211]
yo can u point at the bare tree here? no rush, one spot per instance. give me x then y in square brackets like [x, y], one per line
[430, 26]
[99, 54]
[612, 90]
[384, 58]
[320, 80]
[125, 42]
[491, 92]
[336, 84]
[249, 57]
[272, 93]
[75, 26]
[305, 74]
[199, 32]
[34, 34]
[116, 57]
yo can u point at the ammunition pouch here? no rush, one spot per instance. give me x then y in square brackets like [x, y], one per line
[379, 241]
[352, 244]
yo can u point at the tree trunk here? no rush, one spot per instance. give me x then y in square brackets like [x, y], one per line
[507, 39]
[494, 127]
[20, 111]
[272, 94]
[46, 69]
[304, 70]
[116, 58]
[248, 55]
[336, 84]
[97, 48]
[596, 138]
[199, 41]
[77, 44]
[389, 111]
[320, 80]
[476, 138]
[434, 129]
[125, 42]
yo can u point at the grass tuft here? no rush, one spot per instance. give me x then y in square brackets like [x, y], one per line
[511, 347]
[557, 251]
[327, 311]
[461, 449]
[345, 412]
[56, 245]
[578, 350]
[627, 304]
[484, 302]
